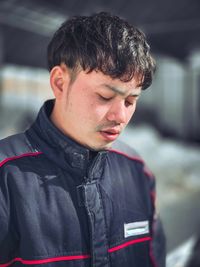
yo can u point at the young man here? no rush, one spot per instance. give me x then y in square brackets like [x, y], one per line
[69, 196]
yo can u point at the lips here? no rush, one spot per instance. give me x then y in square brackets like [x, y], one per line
[110, 134]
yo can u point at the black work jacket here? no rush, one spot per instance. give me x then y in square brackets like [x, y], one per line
[64, 205]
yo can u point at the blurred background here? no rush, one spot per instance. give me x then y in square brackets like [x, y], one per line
[166, 127]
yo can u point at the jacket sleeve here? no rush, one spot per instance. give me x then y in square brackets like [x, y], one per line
[4, 209]
[159, 243]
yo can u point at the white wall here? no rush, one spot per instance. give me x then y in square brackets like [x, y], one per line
[24, 87]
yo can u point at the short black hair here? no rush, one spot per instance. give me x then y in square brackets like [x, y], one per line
[105, 43]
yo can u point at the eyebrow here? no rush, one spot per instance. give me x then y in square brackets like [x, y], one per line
[118, 91]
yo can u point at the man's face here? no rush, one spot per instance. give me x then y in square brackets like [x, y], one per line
[96, 109]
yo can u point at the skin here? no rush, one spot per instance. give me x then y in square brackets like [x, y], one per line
[94, 108]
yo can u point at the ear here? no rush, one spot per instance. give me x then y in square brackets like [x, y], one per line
[59, 80]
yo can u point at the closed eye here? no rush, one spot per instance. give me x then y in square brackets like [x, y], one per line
[128, 103]
[131, 101]
[103, 98]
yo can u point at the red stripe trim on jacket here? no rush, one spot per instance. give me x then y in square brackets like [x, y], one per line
[31, 262]
[73, 257]
[20, 156]
[129, 243]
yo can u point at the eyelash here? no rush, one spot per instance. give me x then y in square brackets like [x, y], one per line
[127, 103]
[104, 98]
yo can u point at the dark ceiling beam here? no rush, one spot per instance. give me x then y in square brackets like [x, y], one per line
[37, 20]
[172, 26]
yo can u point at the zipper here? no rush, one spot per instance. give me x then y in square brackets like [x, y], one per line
[89, 196]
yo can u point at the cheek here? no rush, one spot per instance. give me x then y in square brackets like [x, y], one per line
[87, 113]
[101, 113]
[98, 112]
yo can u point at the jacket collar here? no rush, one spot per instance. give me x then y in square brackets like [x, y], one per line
[60, 147]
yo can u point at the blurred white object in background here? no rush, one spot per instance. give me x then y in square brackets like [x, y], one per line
[180, 256]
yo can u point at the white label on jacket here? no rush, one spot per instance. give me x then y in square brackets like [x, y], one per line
[136, 228]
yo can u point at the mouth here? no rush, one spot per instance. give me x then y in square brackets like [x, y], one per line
[110, 134]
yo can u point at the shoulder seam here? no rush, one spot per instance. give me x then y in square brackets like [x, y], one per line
[134, 158]
[20, 156]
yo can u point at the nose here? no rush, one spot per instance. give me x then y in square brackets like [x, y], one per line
[117, 113]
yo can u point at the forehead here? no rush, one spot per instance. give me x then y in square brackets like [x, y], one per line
[97, 79]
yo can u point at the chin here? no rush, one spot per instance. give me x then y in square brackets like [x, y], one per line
[101, 147]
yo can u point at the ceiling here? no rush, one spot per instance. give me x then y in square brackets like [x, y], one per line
[26, 26]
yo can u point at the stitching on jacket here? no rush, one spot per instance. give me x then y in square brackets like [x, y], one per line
[103, 211]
